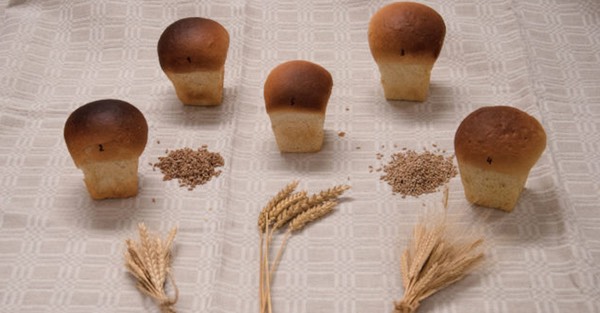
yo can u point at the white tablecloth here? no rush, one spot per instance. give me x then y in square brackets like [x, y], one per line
[60, 251]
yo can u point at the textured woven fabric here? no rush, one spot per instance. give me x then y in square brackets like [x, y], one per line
[60, 251]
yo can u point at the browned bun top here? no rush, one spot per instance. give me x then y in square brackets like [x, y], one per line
[500, 138]
[298, 85]
[404, 30]
[105, 130]
[193, 44]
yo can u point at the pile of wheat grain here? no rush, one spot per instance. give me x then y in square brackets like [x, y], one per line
[413, 174]
[190, 167]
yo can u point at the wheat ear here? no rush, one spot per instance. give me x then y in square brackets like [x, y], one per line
[149, 262]
[295, 210]
[311, 215]
[307, 203]
[284, 205]
[327, 194]
[434, 260]
[281, 195]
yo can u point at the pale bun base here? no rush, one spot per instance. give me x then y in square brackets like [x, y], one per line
[298, 131]
[203, 88]
[404, 81]
[490, 188]
[112, 179]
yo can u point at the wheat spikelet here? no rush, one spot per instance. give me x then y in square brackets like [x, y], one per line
[289, 213]
[404, 266]
[133, 266]
[307, 203]
[147, 250]
[327, 194]
[311, 215]
[149, 262]
[285, 204]
[164, 262]
[267, 209]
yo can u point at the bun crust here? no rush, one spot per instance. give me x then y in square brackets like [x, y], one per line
[298, 86]
[105, 130]
[105, 139]
[500, 138]
[193, 44]
[406, 31]
[495, 148]
[296, 95]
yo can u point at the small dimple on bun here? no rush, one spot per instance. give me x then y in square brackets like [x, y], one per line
[298, 85]
[105, 130]
[500, 138]
[193, 44]
[406, 30]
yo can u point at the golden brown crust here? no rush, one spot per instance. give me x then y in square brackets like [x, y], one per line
[298, 85]
[500, 138]
[193, 44]
[406, 31]
[105, 130]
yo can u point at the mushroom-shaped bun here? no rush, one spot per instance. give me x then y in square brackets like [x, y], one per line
[296, 95]
[495, 148]
[405, 40]
[105, 139]
[192, 53]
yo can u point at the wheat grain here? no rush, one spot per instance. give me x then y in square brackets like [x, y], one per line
[190, 167]
[413, 174]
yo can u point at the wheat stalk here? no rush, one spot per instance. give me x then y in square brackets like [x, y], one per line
[296, 210]
[149, 262]
[433, 260]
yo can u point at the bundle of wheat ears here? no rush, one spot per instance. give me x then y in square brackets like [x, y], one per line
[149, 261]
[437, 256]
[288, 212]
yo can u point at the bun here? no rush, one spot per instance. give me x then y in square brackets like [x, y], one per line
[296, 95]
[405, 39]
[495, 148]
[105, 139]
[192, 53]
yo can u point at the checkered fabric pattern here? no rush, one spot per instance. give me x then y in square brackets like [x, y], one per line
[60, 251]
